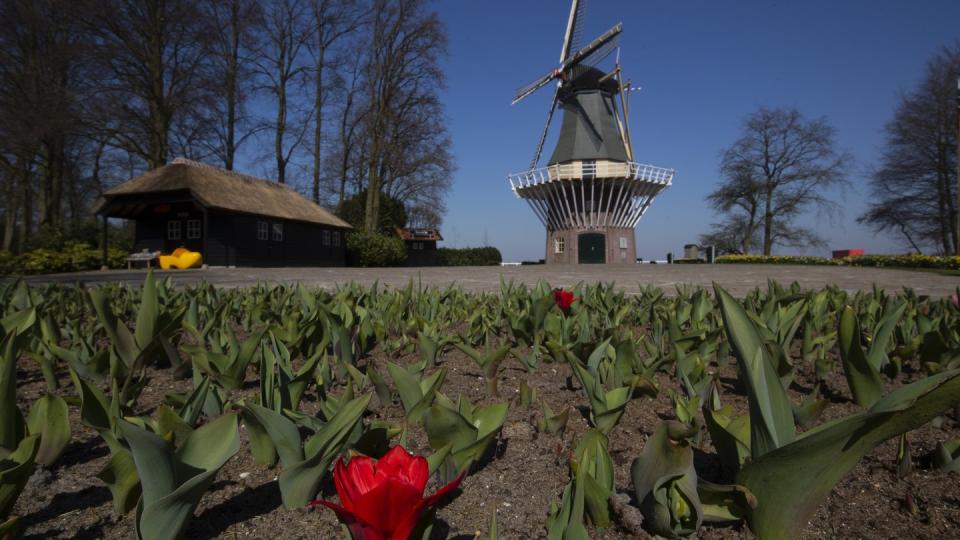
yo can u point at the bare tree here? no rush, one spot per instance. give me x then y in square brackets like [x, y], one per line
[39, 104]
[153, 59]
[402, 72]
[781, 166]
[350, 155]
[913, 189]
[287, 31]
[236, 26]
[332, 20]
[739, 201]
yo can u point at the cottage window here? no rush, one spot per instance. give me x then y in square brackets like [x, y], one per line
[326, 238]
[193, 229]
[263, 230]
[173, 230]
[336, 238]
[558, 244]
[278, 232]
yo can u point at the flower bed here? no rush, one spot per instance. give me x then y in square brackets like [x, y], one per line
[583, 412]
[892, 261]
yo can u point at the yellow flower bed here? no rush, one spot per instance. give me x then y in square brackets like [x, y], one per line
[894, 261]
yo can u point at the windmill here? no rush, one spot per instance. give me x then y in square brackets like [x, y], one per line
[591, 193]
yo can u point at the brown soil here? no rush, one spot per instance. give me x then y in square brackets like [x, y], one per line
[526, 474]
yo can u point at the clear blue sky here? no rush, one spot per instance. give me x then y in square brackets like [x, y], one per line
[703, 65]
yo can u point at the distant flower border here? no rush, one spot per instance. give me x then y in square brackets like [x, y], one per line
[878, 261]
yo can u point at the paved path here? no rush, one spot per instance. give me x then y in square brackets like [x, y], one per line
[738, 279]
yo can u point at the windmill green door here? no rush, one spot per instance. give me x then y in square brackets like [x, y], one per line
[591, 249]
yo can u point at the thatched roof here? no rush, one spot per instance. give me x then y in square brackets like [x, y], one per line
[225, 190]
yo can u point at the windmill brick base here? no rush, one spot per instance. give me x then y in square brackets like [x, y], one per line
[590, 209]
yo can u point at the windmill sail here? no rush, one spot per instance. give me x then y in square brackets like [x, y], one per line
[591, 194]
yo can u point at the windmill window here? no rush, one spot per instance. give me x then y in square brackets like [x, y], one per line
[623, 242]
[326, 238]
[193, 229]
[174, 231]
[263, 230]
[278, 232]
[558, 244]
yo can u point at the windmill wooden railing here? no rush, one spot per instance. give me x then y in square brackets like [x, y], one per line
[587, 195]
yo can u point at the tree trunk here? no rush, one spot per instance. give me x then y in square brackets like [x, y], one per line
[278, 138]
[318, 126]
[158, 114]
[26, 224]
[943, 194]
[768, 223]
[231, 85]
[10, 217]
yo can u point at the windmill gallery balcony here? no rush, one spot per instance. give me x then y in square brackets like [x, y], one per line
[590, 194]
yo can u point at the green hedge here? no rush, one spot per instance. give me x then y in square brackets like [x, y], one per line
[74, 257]
[482, 256]
[368, 249]
[892, 261]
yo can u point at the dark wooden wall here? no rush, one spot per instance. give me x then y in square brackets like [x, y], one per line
[231, 238]
[422, 257]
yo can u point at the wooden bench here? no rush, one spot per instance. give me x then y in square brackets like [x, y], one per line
[143, 256]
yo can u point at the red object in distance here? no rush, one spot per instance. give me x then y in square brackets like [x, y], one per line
[841, 253]
[564, 299]
[383, 499]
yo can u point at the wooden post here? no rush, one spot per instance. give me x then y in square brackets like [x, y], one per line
[103, 242]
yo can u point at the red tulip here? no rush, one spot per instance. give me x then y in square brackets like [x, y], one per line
[563, 299]
[383, 499]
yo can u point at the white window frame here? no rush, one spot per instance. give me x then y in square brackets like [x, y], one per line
[326, 238]
[559, 244]
[277, 232]
[263, 230]
[174, 229]
[193, 229]
[623, 242]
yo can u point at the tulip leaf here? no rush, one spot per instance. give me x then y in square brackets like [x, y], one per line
[724, 502]
[730, 436]
[447, 427]
[591, 455]
[566, 521]
[665, 482]
[877, 355]
[771, 413]
[468, 430]
[173, 481]
[12, 426]
[415, 395]
[299, 483]
[552, 423]
[862, 377]
[148, 313]
[15, 470]
[791, 482]
[120, 475]
[947, 456]
[49, 418]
